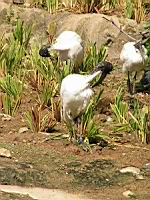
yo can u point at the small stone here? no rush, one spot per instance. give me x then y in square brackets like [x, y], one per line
[133, 170]
[23, 130]
[6, 118]
[27, 5]
[147, 165]
[18, 1]
[109, 119]
[128, 194]
[139, 177]
[5, 153]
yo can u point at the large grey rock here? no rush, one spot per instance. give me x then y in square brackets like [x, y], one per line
[91, 27]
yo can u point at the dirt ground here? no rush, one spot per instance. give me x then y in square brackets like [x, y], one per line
[40, 161]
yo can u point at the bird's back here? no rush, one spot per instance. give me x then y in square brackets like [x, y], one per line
[75, 94]
[69, 35]
[131, 57]
[76, 91]
[67, 40]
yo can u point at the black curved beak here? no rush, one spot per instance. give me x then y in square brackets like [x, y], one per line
[44, 51]
[105, 67]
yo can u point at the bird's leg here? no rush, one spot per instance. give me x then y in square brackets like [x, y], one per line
[70, 125]
[72, 135]
[130, 87]
[134, 80]
[79, 130]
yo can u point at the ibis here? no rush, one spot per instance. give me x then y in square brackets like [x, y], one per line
[76, 92]
[133, 57]
[69, 46]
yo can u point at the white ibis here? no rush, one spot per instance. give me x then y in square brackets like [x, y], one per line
[69, 46]
[133, 57]
[76, 92]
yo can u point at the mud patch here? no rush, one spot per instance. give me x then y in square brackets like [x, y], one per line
[98, 173]
[12, 196]
[21, 174]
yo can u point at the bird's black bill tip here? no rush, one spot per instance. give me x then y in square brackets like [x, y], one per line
[44, 51]
[104, 66]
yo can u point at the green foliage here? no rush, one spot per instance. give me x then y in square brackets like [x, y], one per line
[62, 71]
[147, 45]
[11, 57]
[140, 121]
[11, 91]
[120, 108]
[93, 57]
[136, 120]
[14, 48]
[37, 122]
[52, 5]
[129, 9]
[89, 127]
[22, 33]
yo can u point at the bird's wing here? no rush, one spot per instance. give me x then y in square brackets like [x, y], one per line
[69, 35]
[60, 46]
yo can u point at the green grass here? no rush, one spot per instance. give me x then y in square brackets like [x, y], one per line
[23, 70]
[135, 120]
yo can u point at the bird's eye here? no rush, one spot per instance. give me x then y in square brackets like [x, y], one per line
[137, 51]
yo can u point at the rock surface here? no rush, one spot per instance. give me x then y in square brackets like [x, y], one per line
[5, 153]
[128, 194]
[133, 170]
[91, 27]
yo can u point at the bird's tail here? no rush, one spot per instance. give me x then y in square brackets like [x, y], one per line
[88, 79]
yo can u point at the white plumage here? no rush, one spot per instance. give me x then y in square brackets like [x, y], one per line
[133, 57]
[76, 91]
[75, 95]
[69, 46]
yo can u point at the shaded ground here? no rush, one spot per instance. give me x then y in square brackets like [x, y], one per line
[58, 164]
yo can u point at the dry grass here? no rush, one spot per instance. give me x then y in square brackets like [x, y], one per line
[134, 9]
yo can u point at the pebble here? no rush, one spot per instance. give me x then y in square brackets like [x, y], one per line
[23, 130]
[18, 1]
[109, 119]
[139, 177]
[8, 118]
[128, 194]
[147, 165]
[5, 153]
[5, 117]
[133, 170]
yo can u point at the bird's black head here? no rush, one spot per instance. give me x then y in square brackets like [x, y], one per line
[44, 51]
[105, 67]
